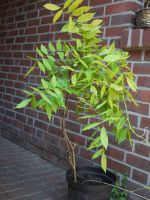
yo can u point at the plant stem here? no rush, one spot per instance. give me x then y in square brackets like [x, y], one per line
[70, 146]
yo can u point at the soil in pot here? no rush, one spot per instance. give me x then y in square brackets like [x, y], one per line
[90, 184]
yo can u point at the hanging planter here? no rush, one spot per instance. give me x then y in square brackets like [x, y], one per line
[143, 17]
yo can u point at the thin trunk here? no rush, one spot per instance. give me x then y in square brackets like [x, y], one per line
[70, 146]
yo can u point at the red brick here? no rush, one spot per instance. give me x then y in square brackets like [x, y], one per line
[143, 82]
[145, 122]
[135, 55]
[122, 19]
[142, 149]
[146, 41]
[135, 38]
[138, 163]
[143, 95]
[141, 108]
[112, 32]
[147, 55]
[30, 31]
[115, 153]
[141, 68]
[122, 7]
[140, 176]
[119, 167]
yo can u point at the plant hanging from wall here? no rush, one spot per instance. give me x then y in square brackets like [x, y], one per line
[98, 76]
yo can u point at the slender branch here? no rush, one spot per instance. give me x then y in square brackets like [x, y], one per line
[70, 147]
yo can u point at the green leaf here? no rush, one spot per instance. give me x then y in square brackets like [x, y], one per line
[85, 17]
[68, 68]
[96, 22]
[65, 28]
[100, 105]
[70, 25]
[79, 44]
[104, 138]
[80, 10]
[112, 58]
[44, 83]
[44, 49]
[96, 143]
[120, 123]
[23, 103]
[91, 125]
[47, 64]
[74, 5]
[51, 47]
[33, 102]
[57, 16]
[93, 90]
[41, 66]
[45, 98]
[104, 162]
[54, 81]
[103, 91]
[30, 70]
[39, 52]
[52, 7]
[98, 153]
[132, 84]
[48, 111]
[67, 3]
[59, 45]
[74, 79]
[123, 135]
[116, 87]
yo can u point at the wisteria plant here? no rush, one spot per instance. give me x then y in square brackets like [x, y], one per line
[97, 75]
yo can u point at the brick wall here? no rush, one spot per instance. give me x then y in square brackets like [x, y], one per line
[24, 24]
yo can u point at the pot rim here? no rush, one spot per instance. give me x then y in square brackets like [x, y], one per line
[87, 187]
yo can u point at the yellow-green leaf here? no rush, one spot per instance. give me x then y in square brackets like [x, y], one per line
[23, 103]
[100, 105]
[112, 58]
[44, 49]
[80, 10]
[74, 5]
[51, 47]
[57, 16]
[54, 81]
[93, 90]
[103, 91]
[44, 83]
[70, 25]
[104, 162]
[39, 52]
[131, 84]
[98, 153]
[104, 138]
[86, 17]
[97, 22]
[74, 79]
[79, 44]
[67, 3]
[52, 7]
[89, 126]
[41, 66]
[116, 87]
[48, 111]
[30, 70]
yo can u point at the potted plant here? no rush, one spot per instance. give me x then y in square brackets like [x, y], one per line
[102, 82]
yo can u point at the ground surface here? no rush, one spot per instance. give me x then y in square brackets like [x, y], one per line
[25, 176]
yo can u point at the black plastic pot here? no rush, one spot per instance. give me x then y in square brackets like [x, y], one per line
[88, 185]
